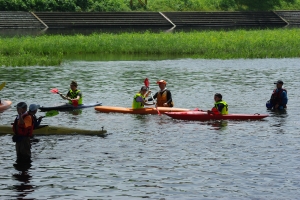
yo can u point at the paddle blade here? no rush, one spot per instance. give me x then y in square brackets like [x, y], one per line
[2, 85]
[158, 111]
[146, 82]
[54, 90]
[51, 113]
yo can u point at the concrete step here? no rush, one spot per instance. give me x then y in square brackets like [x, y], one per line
[102, 19]
[19, 19]
[182, 19]
[292, 17]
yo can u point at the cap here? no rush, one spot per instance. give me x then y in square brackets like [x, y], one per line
[21, 105]
[34, 107]
[74, 83]
[279, 82]
[144, 88]
[162, 81]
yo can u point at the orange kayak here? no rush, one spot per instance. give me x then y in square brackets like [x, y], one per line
[108, 109]
[4, 105]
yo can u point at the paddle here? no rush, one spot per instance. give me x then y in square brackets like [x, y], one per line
[55, 91]
[2, 85]
[146, 82]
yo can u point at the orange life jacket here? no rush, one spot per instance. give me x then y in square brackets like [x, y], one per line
[21, 129]
[162, 98]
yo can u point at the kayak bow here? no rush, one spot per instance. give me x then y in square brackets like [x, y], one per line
[5, 105]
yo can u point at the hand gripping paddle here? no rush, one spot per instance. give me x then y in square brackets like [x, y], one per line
[55, 91]
[146, 82]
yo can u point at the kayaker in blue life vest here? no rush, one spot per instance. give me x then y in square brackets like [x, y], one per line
[32, 111]
[220, 107]
[74, 96]
[139, 98]
[278, 98]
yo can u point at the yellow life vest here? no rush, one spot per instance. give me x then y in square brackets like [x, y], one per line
[73, 95]
[225, 108]
[135, 104]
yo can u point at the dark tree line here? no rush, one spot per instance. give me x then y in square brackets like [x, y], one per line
[128, 5]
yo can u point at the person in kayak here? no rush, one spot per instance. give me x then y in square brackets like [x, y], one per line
[139, 98]
[32, 111]
[23, 129]
[278, 98]
[164, 96]
[74, 96]
[220, 107]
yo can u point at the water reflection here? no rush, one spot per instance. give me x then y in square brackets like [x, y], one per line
[73, 112]
[23, 176]
[219, 124]
[279, 121]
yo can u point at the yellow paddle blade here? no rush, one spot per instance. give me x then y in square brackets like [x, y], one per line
[2, 85]
[51, 113]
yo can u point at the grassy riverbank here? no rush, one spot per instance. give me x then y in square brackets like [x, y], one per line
[52, 49]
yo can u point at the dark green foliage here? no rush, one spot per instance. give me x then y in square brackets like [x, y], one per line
[253, 5]
[152, 5]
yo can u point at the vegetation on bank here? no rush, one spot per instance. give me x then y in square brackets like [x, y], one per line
[147, 5]
[52, 49]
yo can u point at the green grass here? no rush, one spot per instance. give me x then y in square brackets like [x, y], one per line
[51, 50]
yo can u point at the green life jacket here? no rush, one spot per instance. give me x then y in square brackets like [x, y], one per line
[225, 108]
[135, 104]
[73, 95]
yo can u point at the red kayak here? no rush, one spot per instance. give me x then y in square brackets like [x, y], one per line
[204, 116]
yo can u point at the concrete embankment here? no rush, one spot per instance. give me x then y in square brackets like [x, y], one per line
[163, 20]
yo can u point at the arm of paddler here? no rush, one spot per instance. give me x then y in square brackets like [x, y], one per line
[154, 97]
[64, 97]
[141, 100]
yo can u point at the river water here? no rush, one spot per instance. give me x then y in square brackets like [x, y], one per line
[151, 156]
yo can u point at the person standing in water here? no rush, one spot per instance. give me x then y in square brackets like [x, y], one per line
[278, 98]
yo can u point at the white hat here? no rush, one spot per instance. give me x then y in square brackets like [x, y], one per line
[34, 107]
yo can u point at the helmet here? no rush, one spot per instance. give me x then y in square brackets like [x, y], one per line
[269, 105]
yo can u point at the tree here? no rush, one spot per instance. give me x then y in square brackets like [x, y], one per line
[252, 5]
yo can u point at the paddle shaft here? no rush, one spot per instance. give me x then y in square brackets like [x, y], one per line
[146, 82]
[155, 104]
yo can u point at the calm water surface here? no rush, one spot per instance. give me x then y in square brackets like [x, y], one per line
[154, 156]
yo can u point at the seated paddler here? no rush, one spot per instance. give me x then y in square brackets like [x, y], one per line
[139, 99]
[74, 96]
[220, 107]
[163, 96]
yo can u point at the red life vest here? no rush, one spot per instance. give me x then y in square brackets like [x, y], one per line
[21, 129]
[276, 96]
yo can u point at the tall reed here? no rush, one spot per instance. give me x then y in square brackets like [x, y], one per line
[51, 49]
